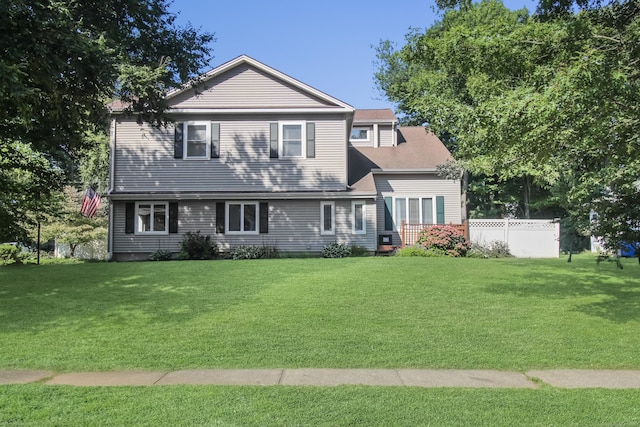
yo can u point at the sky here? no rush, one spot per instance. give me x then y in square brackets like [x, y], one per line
[328, 44]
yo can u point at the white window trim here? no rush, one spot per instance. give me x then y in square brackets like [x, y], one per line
[367, 139]
[185, 133]
[333, 218]
[303, 133]
[137, 230]
[397, 224]
[242, 203]
[353, 217]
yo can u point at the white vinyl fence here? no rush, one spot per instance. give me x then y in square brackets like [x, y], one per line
[527, 238]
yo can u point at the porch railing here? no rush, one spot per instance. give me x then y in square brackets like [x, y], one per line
[410, 233]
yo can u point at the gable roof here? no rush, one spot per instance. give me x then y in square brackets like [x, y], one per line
[418, 150]
[383, 115]
[244, 62]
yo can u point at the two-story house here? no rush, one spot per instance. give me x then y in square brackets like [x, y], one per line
[257, 157]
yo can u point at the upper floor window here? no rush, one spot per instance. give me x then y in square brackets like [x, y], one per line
[152, 218]
[197, 140]
[292, 139]
[359, 134]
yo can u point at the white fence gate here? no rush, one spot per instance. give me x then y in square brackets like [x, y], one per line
[527, 238]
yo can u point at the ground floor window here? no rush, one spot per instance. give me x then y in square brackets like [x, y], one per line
[359, 220]
[413, 210]
[328, 217]
[152, 218]
[242, 217]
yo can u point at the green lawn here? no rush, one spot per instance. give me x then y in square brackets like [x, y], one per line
[509, 314]
[38, 405]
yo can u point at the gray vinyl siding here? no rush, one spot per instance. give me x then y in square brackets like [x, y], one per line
[294, 226]
[246, 87]
[421, 185]
[144, 158]
[385, 135]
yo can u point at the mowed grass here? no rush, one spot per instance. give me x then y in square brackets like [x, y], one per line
[40, 405]
[508, 314]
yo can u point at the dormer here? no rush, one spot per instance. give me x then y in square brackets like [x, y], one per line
[374, 128]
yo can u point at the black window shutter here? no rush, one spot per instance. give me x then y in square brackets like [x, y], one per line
[215, 140]
[264, 217]
[178, 141]
[311, 140]
[129, 217]
[273, 140]
[388, 217]
[220, 217]
[173, 217]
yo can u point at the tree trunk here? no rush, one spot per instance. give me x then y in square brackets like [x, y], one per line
[526, 193]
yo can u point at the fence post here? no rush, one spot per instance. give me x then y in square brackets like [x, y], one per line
[403, 230]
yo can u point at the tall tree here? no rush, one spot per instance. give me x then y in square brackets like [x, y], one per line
[62, 61]
[553, 99]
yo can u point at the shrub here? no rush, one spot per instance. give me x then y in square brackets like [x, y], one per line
[161, 255]
[359, 251]
[444, 238]
[10, 253]
[420, 251]
[494, 249]
[195, 246]
[336, 250]
[254, 252]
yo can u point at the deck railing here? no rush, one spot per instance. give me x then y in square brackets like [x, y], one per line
[410, 233]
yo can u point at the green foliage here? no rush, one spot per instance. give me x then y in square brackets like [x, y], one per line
[336, 250]
[553, 100]
[62, 62]
[68, 226]
[9, 254]
[357, 251]
[161, 255]
[254, 252]
[444, 239]
[494, 249]
[419, 251]
[94, 162]
[196, 246]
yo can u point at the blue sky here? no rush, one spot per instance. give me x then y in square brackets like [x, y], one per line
[326, 44]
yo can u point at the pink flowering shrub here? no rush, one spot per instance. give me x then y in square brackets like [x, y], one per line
[444, 239]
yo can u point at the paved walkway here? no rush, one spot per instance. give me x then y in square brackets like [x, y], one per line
[336, 377]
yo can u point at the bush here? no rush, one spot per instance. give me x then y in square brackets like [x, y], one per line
[494, 249]
[444, 238]
[195, 246]
[10, 253]
[336, 250]
[254, 252]
[419, 251]
[359, 251]
[161, 255]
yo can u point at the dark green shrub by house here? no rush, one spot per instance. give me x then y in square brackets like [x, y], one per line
[336, 250]
[445, 239]
[196, 246]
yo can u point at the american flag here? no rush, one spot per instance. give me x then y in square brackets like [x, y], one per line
[90, 203]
